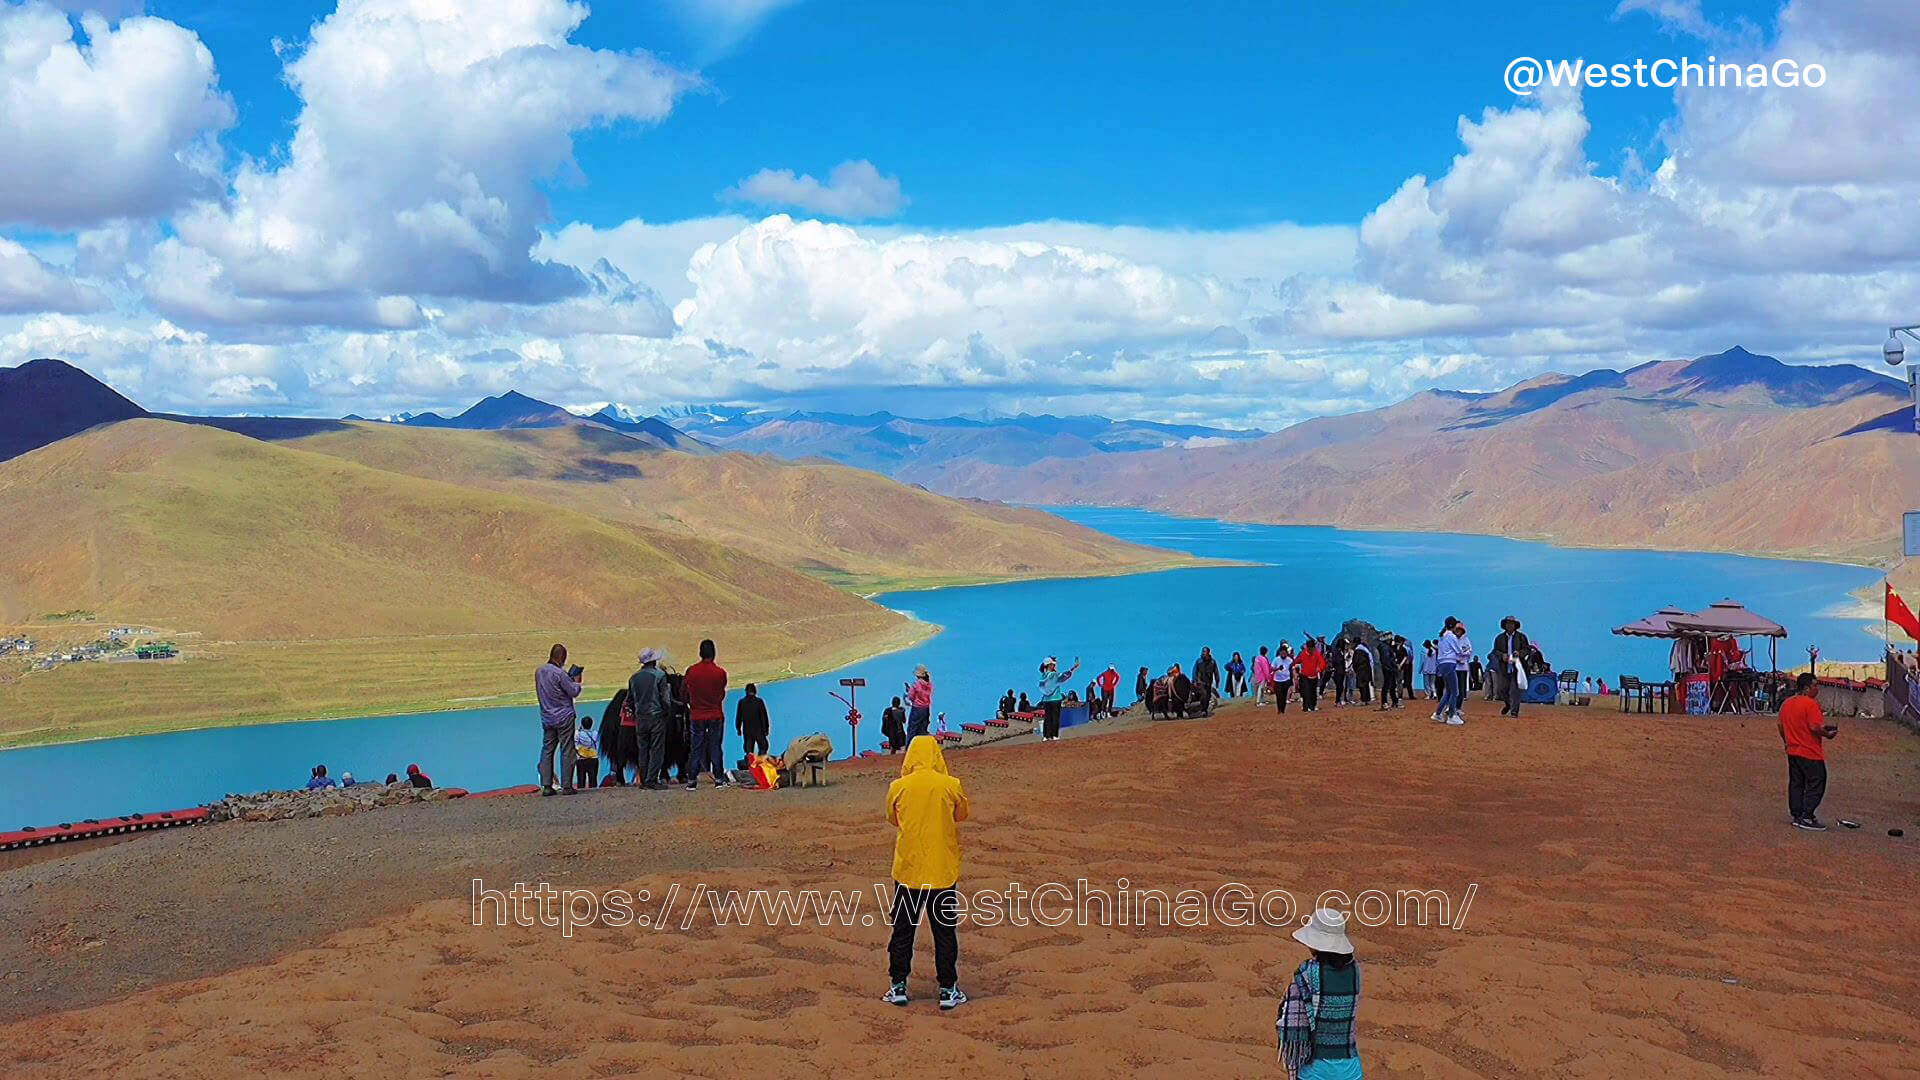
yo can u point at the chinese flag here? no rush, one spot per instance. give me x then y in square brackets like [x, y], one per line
[1900, 615]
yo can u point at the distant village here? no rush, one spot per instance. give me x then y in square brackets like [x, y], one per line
[118, 645]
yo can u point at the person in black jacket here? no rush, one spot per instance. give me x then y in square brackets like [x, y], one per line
[893, 726]
[652, 704]
[1337, 670]
[750, 722]
[1362, 673]
[1206, 679]
[1509, 649]
[1389, 673]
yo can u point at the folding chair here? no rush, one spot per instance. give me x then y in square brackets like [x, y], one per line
[1630, 692]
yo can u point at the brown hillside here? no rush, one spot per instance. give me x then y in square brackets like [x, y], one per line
[846, 524]
[199, 528]
[1662, 457]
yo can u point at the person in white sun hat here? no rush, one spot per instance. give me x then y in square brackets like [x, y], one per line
[1316, 1018]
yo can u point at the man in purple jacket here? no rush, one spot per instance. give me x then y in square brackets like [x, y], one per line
[556, 687]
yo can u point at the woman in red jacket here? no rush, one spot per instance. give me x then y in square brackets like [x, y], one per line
[1307, 671]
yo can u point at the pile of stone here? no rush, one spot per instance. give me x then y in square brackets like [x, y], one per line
[325, 802]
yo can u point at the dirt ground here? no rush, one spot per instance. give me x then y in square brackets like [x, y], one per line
[1641, 908]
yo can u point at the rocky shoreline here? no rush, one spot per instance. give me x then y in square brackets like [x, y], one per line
[324, 802]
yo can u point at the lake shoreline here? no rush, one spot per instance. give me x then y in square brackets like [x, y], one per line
[911, 633]
[1126, 570]
[1858, 604]
[1282, 582]
[914, 632]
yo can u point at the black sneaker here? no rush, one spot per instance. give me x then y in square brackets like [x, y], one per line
[693, 786]
[897, 994]
[657, 785]
[952, 997]
[1811, 824]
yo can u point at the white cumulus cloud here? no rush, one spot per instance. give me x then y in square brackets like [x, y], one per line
[919, 307]
[425, 130]
[854, 191]
[1785, 218]
[112, 121]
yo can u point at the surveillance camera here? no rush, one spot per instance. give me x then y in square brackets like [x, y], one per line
[1895, 352]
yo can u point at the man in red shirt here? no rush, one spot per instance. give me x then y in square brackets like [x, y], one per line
[706, 689]
[1109, 682]
[1804, 728]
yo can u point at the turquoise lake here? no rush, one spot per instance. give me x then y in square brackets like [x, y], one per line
[1304, 579]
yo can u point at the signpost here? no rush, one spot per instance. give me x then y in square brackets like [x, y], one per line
[853, 714]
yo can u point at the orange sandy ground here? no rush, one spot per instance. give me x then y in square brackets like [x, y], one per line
[1643, 909]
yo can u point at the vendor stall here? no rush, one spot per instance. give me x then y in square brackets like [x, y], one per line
[1711, 672]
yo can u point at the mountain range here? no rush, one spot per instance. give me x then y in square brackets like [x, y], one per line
[335, 567]
[912, 449]
[1729, 452]
[513, 410]
[1681, 453]
[920, 450]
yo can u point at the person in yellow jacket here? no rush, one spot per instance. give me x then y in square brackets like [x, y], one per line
[927, 804]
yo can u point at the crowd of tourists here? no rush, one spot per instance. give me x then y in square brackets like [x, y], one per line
[662, 725]
[665, 726]
[1360, 667]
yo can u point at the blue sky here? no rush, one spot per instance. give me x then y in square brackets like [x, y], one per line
[1235, 212]
[1205, 115]
[1217, 115]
